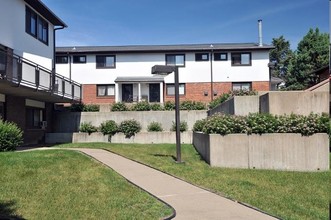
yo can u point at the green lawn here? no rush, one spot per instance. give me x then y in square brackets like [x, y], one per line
[61, 184]
[288, 195]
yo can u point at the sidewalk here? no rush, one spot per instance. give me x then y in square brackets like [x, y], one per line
[190, 202]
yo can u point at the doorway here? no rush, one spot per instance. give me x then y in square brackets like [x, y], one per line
[154, 92]
[127, 92]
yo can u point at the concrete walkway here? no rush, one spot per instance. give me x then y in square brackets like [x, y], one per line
[190, 202]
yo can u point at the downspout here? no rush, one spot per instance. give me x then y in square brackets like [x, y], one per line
[211, 74]
[54, 57]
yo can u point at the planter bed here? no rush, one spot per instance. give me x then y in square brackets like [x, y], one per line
[268, 151]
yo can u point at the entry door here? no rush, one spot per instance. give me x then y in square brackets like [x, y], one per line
[154, 92]
[127, 92]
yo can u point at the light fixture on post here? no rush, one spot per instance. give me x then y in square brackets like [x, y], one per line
[166, 70]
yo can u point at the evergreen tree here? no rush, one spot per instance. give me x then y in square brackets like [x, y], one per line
[312, 53]
[281, 55]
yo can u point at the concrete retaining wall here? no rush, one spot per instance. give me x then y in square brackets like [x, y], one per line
[297, 102]
[70, 121]
[139, 138]
[238, 105]
[268, 151]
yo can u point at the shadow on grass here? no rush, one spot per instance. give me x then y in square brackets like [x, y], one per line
[165, 155]
[8, 211]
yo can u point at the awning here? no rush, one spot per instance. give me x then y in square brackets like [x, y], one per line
[139, 79]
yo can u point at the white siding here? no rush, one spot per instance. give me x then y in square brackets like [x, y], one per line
[136, 64]
[13, 35]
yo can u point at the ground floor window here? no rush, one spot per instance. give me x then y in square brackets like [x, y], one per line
[242, 86]
[106, 90]
[171, 89]
[34, 117]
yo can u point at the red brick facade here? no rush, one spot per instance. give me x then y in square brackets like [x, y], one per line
[193, 91]
[90, 95]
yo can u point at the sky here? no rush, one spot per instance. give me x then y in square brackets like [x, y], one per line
[168, 22]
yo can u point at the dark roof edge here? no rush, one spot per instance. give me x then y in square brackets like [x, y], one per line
[46, 12]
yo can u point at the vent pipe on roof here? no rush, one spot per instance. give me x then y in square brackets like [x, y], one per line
[260, 32]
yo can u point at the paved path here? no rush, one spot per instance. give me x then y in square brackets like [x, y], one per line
[190, 202]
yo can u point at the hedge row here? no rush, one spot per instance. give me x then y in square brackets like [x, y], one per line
[168, 106]
[263, 123]
[128, 127]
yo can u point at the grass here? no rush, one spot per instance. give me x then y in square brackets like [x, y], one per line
[61, 184]
[288, 195]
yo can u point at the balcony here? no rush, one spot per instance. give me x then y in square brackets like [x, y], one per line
[22, 77]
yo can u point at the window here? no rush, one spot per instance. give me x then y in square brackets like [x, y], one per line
[79, 59]
[220, 56]
[105, 61]
[242, 86]
[106, 90]
[241, 59]
[171, 89]
[61, 59]
[175, 59]
[201, 57]
[34, 116]
[36, 26]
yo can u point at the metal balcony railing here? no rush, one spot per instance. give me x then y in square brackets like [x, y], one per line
[21, 71]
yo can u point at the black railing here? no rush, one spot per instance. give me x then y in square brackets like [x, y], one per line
[21, 71]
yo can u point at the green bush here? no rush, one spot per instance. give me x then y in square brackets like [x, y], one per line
[264, 123]
[91, 108]
[118, 107]
[199, 124]
[169, 106]
[129, 127]
[77, 107]
[141, 106]
[154, 126]
[220, 99]
[192, 105]
[11, 136]
[182, 126]
[243, 92]
[109, 128]
[88, 128]
[156, 107]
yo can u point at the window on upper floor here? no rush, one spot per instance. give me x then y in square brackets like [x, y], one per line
[201, 56]
[220, 56]
[175, 59]
[241, 59]
[242, 86]
[79, 59]
[105, 61]
[106, 90]
[61, 59]
[36, 26]
[171, 89]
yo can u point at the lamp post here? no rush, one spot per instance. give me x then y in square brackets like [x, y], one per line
[166, 70]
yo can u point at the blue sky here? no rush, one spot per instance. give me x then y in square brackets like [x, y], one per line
[162, 22]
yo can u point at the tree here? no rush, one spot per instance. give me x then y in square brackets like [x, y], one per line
[312, 53]
[281, 55]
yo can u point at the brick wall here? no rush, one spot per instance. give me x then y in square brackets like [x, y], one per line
[90, 95]
[261, 86]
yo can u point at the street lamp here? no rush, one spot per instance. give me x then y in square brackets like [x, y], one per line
[166, 70]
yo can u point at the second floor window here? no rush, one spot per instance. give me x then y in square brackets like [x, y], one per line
[241, 59]
[61, 59]
[36, 26]
[105, 61]
[201, 57]
[79, 59]
[175, 59]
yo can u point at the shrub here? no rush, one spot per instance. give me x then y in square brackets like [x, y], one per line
[77, 107]
[109, 128]
[156, 107]
[141, 106]
[119, 106]
[220, 99]
[91, 108]
[262, 123]
[192, 105]
[87, 127]
[129, 127]
[199, 124]
[154, 126]
[11, 136]
[182, 126]
[169, 106]
[243, 92]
